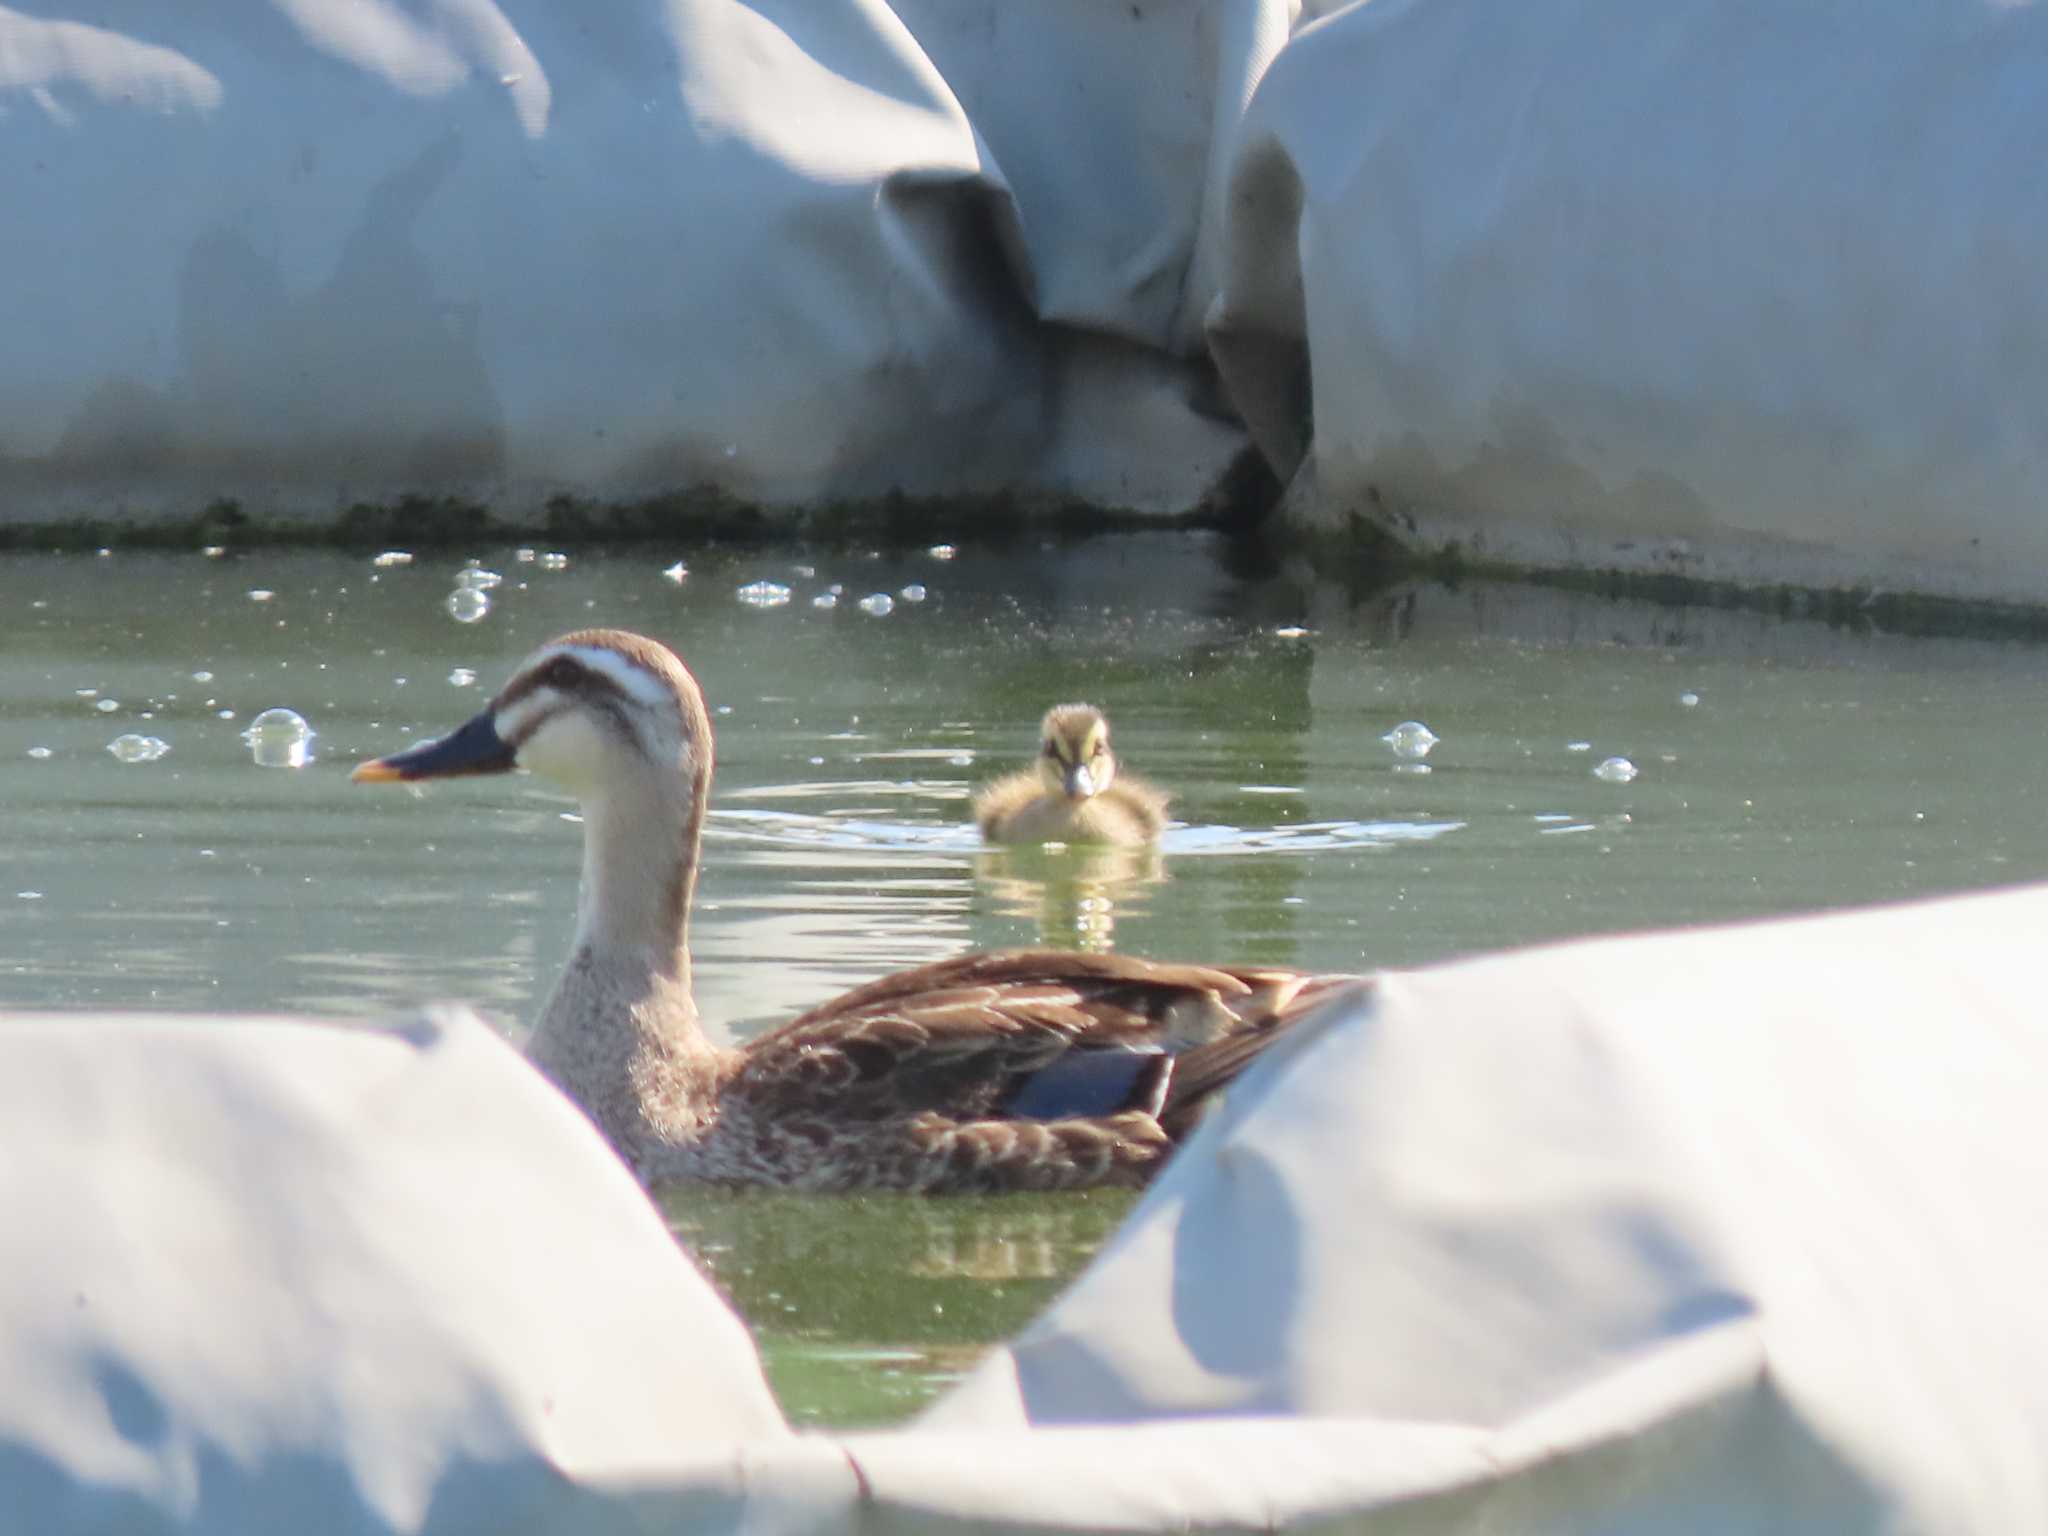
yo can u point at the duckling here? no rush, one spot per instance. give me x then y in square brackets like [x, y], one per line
[1032, 1069]
[1075, 794]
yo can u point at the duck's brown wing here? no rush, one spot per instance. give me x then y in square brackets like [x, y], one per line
[1026, 1035]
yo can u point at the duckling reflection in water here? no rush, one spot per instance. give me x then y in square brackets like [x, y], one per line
[1073, 893]
[1033, 1069]
[1075, 793]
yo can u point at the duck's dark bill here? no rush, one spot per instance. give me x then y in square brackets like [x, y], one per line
[472, 748]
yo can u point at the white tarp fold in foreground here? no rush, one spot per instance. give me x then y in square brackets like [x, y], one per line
[1739, 1230]
[264, 1275]
[1742, 1229]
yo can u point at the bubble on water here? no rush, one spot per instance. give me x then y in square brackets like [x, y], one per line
[1578, 746]
[524, 555]
[825, 600]
[224, 714]
[1689, 699]
[392, 557]
[132, 748]
[280, 738]
[803, 572]
[86, 693]
[677, 572]
[28, 895]
[914, 593]
[1290, 632]
[40, 754]
[879, 604]
[554, 560]
[1411, 768]
[1411, 738]
[1615, 770]
[261, 594]
[961, 760]
[941, 551]
[202, 677]
[462, 677]
[763, 594]
[477, 579]
[107, 706]
[466, 605]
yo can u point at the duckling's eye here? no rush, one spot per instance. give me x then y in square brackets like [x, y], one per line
[1052, 750]
[1101, 749]
[561, 673]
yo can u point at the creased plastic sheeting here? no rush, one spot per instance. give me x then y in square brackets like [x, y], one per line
[1723, 288]
[311, 253]
[270, 1276]
[1731, 1230]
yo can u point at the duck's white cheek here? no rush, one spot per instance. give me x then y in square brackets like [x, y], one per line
[568, 748]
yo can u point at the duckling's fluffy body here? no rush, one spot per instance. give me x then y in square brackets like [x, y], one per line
[1036, 1069]
[1075, 793]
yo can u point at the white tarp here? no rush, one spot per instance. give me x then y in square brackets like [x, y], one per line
[1737, 1230]
[1718, 288]
[305, 253]
[1715, 288]
[267, 1276]
[1740, 1230]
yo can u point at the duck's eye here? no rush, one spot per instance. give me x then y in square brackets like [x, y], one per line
[561, 673]
[1101, 749]
[1052, 750]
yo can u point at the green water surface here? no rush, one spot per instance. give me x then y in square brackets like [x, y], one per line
[1780, 766]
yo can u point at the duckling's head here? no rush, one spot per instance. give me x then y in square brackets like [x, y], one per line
[590, 711]
[1073, 755]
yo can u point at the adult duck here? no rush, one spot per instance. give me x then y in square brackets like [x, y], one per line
[1035, 1069]
[1074, 793]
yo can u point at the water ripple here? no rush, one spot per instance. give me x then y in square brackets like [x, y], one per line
[795, 829]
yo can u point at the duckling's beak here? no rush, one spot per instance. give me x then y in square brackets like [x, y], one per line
[475, 747]
[1080, 782]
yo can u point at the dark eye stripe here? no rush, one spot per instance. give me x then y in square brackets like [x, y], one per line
[564, 674]
[580, 684]
[611, 708]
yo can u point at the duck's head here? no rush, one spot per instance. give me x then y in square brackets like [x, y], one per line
[1073, 753]
[590, 711]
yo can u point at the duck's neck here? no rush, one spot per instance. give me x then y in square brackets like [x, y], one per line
[620, 1032]
[640, 842]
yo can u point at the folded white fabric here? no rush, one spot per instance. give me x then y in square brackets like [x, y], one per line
[1711, 288]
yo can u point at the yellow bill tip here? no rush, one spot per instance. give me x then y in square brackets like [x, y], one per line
[376, 771]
